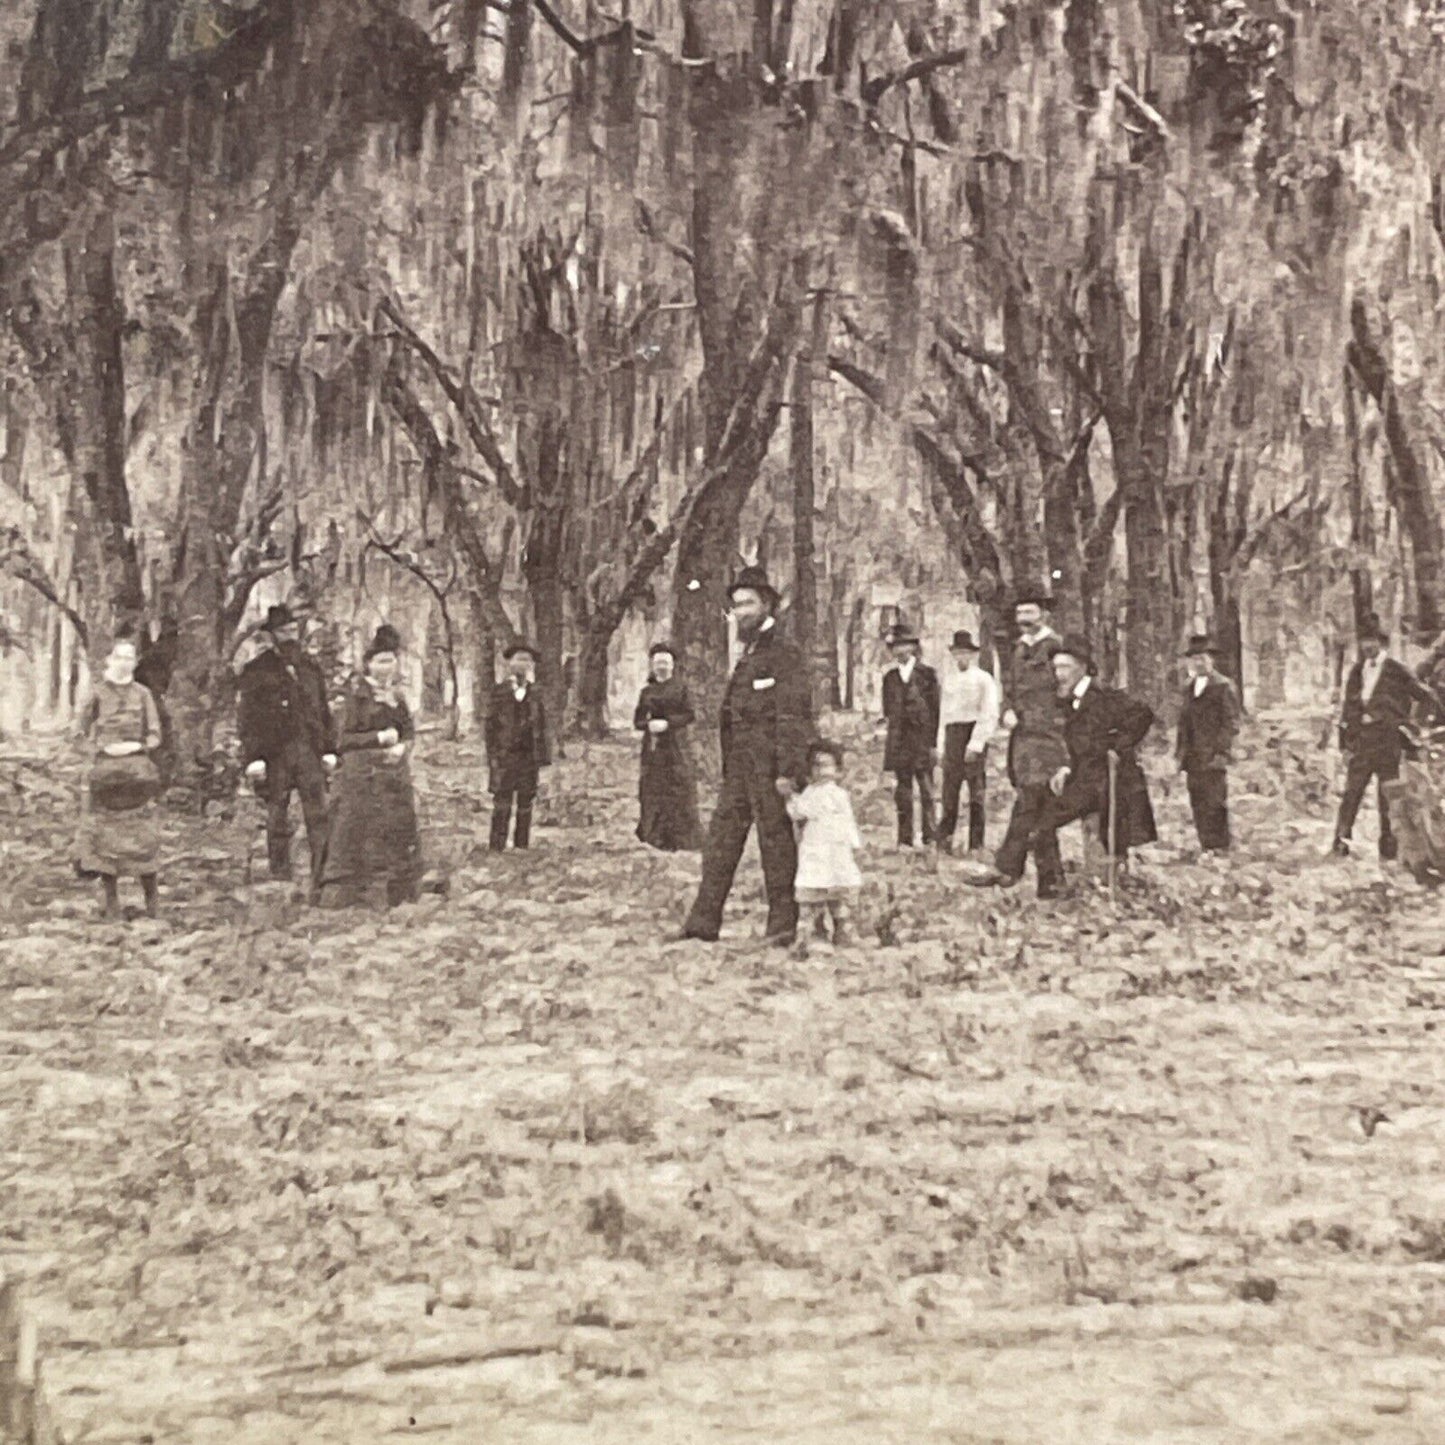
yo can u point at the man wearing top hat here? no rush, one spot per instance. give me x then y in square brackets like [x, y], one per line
[288, 739]
[766, 726]
[517, 748]
[1036, 748]
[967, 720]
[1102, 727]
[1208, 722]
[910, 707]
[1379, 694]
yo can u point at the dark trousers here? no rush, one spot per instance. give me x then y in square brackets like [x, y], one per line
[904, 780]
[1370, 760]
[516, 785]
[747, 796]
[958, 769]
[1033, 804]
[1209, 802]
[299, 768]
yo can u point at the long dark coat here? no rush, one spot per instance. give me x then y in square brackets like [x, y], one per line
[1036, 746]
[911, 710]
[1207, 725]
[373, 832]
[667, 787]
[1373, 726]
[282, 702]
[1107, 719]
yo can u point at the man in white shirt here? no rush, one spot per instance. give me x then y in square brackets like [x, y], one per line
[968, 719]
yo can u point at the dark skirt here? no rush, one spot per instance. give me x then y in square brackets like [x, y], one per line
[372, 838]
[667, 792]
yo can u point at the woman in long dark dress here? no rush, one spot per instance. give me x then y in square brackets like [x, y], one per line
[372, 837]
[667, 789]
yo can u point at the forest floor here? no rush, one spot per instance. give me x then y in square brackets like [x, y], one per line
[508, 1166]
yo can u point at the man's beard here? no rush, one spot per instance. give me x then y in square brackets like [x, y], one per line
[750, 626]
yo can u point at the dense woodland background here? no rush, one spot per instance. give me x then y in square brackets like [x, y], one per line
[533, 317]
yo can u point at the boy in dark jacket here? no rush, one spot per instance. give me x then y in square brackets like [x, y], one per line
[1208, 722]
[910, 706]
[517, 748]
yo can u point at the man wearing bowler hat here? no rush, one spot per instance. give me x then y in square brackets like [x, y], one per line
[1208, 722]
[1102, 727]
[968, 718]
[1379, 695]
[910, 706]
[766, 726]
[517, 748]
[288, 740]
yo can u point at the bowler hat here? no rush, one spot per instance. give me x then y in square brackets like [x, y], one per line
[515, 649]
[754, 579]
[1200, 643]
[901, 632]
[1372, 630]
[1076, 647]
[662, 647]
[1033, 597]
[963, 642]
[278, 615]
[386, 639]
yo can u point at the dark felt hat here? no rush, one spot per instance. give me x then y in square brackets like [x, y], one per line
[754, 579]
[386, 639]
[1076, 646]
[1373, 630]
[516, 649]
[278, 615]
[658, 647]
[821, 747]
[901, 632]
[963, 642]
[1200, 643]
[1033, 597]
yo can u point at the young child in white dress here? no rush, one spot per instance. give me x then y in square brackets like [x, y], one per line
[828, 879]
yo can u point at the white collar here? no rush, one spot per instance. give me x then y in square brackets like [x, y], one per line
[1080, 688]
[905, 668]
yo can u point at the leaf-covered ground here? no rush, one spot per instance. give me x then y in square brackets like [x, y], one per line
[508, 1166]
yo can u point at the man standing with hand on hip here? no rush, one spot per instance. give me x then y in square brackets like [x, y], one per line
[288, 740]
[766, 727]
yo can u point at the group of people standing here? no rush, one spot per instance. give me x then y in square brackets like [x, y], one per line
[1072, 755]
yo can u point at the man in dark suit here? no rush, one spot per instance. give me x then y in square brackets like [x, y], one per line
[1379, 694]
[766, 726]
[1100, 723]
[1208, 722]
[517, 748]
[910, 707]
[288, 740]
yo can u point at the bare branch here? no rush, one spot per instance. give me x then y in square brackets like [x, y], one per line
[584, 45]
[1141, 110]
[878, 87]
[19, 562]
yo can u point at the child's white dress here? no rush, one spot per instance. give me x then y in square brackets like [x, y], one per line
[829, 838]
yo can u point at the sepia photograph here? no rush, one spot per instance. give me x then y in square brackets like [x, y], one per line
[722, 721]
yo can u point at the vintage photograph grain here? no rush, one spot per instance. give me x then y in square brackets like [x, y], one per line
[722, 721]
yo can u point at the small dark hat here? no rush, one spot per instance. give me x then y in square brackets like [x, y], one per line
[1078, 647]
[517, 648]
[662, 647]
[963, 642]
[901, 632]
[754, 579]
[278, 615]
[1200, 643]
[386, 639]
[1373, 630]
[821, 747]
[1033, 597]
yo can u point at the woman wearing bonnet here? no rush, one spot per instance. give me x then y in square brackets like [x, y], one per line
[373, 838]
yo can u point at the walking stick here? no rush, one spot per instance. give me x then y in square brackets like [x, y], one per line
[1113, 824]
